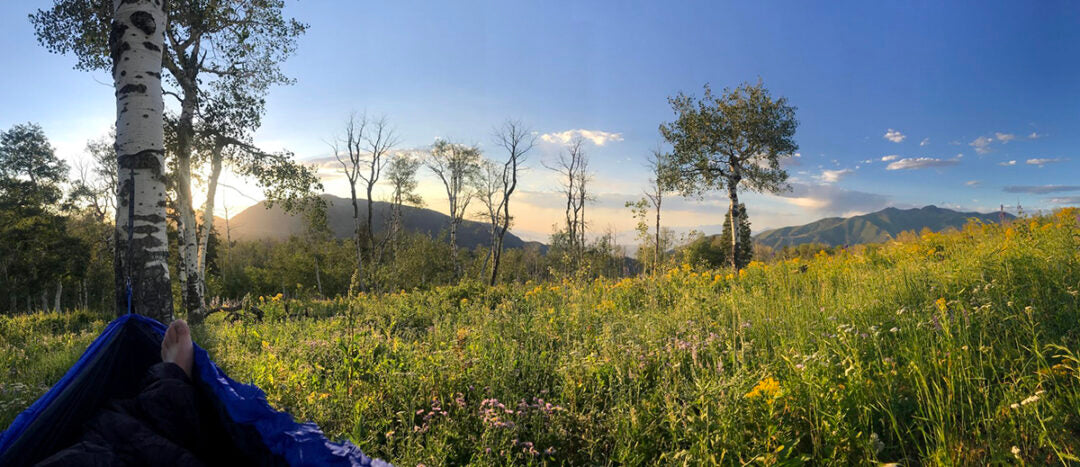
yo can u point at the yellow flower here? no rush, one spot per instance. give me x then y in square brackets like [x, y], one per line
[940, 303]
[768, 388]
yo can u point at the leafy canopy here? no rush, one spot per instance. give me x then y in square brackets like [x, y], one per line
[732, 140]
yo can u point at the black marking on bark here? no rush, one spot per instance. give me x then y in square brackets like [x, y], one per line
[146, 159]
[150, 46]
[130, 88]
[156, 74]
[149, 217]
[123, 72]
[145, 115]
[144, 21]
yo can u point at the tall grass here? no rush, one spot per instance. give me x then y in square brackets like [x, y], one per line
[951, 348]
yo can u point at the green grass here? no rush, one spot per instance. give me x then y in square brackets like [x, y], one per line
[957, 348]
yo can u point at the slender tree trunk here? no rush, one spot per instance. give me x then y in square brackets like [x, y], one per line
[59, 294]
[656, 254]
[733, 196]
[318, 279]
[356, 239]
[189, 234]
[370, 215]
[135, 44]
[44, 299]
[208, 213]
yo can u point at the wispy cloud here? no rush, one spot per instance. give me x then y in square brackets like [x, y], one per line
[1041, 161]
[833, 176]
[1004, 137]
[1006, 163]
[913, 163]
[924, 142]
[832, 200]
[981, 144]
[597, 137]
[972, 183]
[1065, 200]
[1041, 189]
[890, 157]
[894, 135]
[1035, 135]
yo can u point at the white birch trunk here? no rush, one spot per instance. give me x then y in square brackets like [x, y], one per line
[135, 44]
[208, 215]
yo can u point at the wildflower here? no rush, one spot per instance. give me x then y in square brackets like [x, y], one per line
[799, 366]
[767, 388]
[894, 330]
[1016, 452]
[941, 304]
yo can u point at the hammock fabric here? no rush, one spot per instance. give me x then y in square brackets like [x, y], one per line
[248, 429]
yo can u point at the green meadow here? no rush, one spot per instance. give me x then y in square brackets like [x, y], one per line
[960, 347]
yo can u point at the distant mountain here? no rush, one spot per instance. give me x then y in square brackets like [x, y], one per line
[875, 227]
[257, 222]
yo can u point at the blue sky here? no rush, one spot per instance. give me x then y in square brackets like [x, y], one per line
[960, 88]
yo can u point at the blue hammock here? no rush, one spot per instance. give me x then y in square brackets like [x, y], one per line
[112, 368]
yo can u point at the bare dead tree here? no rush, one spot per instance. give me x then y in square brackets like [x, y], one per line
[456, 165]
[379, 140]
[572, 167]
[517, 140]
[351, 161]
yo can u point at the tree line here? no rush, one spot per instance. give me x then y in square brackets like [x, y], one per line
[218, 61]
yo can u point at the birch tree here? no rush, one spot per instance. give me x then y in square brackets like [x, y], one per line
[518, 141]
[456, 165]
[489, 189]
[142, 247]
[659, 183]
[733, 141]
[401, 175]
[203, 42]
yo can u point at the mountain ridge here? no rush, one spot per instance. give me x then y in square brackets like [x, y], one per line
[875, 227]
[256, 222]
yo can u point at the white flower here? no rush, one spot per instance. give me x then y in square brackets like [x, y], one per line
[1031, 400]
[1016, 452]
[894, 330]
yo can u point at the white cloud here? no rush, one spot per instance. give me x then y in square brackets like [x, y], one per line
[1041, 189]
[972, 183]
[924, 142]
[833, 176]
[1007, 163]
[890, 157]
[1065, 200]
[597, 137]
[913, 163]
[981, 144]
[1041, 161]
[832, 200]
[1035, 135]
[1004, 137]
[894, 135]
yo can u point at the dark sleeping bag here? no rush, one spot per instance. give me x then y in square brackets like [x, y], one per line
[120, 405]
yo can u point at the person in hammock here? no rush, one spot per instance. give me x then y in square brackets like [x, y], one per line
[159, 426]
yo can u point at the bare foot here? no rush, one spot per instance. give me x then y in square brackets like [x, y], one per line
[176, 347]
